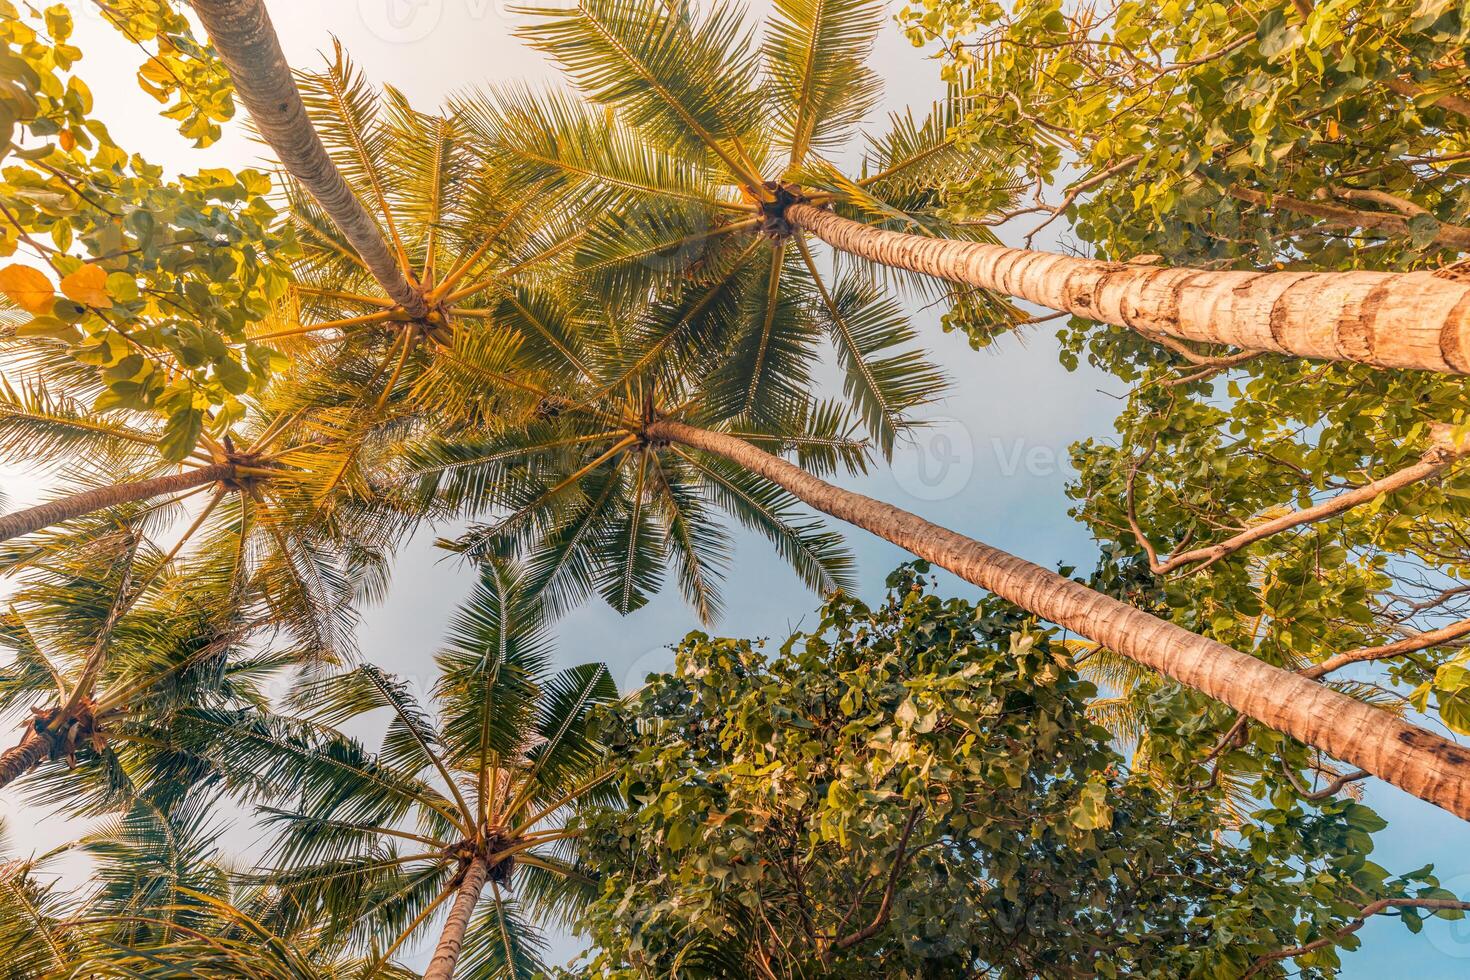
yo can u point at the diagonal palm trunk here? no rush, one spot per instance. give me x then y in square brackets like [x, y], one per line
[18, 760]
[451, 940]
[1388, 319]
[246, 41]
[1418, 762]
[88, 501]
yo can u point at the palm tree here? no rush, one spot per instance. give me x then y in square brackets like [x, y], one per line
[363, 369]
[608, 485]
[45, 418]
[225, 943]
[117, 642]
[481, 794]
[32, 911]
[161, 902]
[246, 41]
[595, 507]
[669, 186]
[466, 251]
[1415, 760]
[716, 141]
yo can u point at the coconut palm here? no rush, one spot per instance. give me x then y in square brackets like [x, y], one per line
[364, 369]
[602, 491]
[226, 943]
[32, 910]
[680, 164]
[364, 358]
[1414, 759]
[115, 642]
[720, 139]
[595, 508]
[478, 794]
[161, 902]
[247, 44]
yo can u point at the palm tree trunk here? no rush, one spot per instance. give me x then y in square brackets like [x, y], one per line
[451, 941]
[18, 760]
[1417, 761]
[1388, 319]
[246, 41]
[84, 503]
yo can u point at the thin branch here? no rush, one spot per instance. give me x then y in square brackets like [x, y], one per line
[885, 907]
[1409, 644]
[1331, 789]
[1364, 913]
[1441, 455]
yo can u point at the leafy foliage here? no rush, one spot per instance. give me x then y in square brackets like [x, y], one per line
[1264, 136]
[915, 789]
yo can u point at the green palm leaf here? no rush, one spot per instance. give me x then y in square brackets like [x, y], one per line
[688, 86]
[816, 57]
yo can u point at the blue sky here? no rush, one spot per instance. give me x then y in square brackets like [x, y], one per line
[993, 464]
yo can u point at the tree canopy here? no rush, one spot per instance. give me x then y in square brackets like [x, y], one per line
[916, 788]
[590, 329]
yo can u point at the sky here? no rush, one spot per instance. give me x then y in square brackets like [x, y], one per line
[993, 463]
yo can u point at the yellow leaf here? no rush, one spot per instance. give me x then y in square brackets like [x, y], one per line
[88, 286]
[1332, 130]
[27, 288]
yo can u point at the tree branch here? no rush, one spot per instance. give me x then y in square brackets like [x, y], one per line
[885, 907]
[1448, 236]
[1331, 789]
[1442, 453]
[1364, 913]
[1409, 644]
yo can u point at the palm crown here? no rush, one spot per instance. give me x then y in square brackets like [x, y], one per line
[479, 791]
[686, 295]
[695, 141]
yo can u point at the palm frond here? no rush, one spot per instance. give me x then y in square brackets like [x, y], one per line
[687, 85]
[816, 57]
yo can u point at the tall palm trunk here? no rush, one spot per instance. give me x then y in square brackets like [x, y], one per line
[18, 760]
[80, 504]
[246, 41]
[1416, 761]
[451, 941]
[1389, 319]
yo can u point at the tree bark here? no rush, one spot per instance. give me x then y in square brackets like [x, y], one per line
[242, 33]
[1417, 761]
[18, 760]
[1387, 319]
[81, 504]
[451, 941]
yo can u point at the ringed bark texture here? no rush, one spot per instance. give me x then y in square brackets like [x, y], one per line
[18, 760]
[451, 940]
[1387, 319]
[88, 501]
[246, 41]
[1417, 761]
